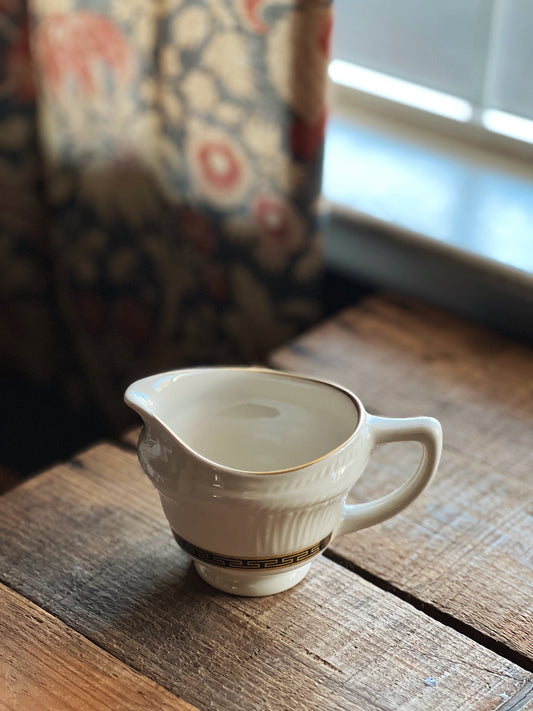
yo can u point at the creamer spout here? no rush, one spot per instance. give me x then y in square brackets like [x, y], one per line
[149, 397]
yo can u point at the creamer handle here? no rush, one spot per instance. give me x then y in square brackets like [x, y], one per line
[383, 430]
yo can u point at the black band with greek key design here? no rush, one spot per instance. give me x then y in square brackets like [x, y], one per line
[271, 563]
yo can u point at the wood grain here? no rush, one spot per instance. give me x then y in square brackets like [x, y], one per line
[88, 542]
[403, 358]
[466, 546]
[46, 665]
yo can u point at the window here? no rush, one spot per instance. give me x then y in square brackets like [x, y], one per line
[428, 164]
[469, 60]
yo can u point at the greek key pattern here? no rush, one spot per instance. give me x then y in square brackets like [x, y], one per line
[272, 563]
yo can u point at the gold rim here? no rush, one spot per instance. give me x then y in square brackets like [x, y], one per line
[257, 369]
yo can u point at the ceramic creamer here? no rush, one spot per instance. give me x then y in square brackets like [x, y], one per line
[253, 468]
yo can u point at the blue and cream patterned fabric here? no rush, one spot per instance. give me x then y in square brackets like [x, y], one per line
[159, 170]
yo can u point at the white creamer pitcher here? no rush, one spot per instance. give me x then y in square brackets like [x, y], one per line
[253, 468]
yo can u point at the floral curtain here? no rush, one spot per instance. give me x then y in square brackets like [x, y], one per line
[159, 171]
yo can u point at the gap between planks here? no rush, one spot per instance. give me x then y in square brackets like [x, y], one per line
[434, 612]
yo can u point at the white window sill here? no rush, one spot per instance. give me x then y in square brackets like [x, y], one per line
[441, 220]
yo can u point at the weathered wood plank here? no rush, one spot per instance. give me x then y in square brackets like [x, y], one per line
[89, 543]
[467, 545]
[405, 358]
[46, 665]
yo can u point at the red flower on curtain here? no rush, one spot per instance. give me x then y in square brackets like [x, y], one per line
[219, 165]
[281, 231]
[324, 36]
[307, 138]
[271, 214]
[253, 14]
[72, 45]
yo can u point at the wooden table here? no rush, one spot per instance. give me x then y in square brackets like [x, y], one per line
[431, 610]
